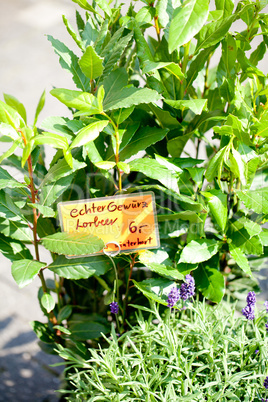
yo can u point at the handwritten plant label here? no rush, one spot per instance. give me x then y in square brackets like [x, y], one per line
[129, 220]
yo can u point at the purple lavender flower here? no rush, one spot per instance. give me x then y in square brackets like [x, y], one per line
[187, 288]
[256, 351]
[248, 312]
[266, 326]
[266, 305]
[173, 297]
[251, 298]
[114, 307]
[265, 383]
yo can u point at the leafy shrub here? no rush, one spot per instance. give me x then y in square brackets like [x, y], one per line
[160, 96]
[203, 353]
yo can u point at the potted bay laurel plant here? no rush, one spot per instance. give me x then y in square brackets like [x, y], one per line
[151, 111]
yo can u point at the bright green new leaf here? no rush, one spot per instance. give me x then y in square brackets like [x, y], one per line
[190, 216]
[48, 302]
[40, 106]
[153, 169]
[124, 166]
[88, 133]
[73, 243]
[46, 211]
[50, 192]
[10, 116]
[106, 165]
[83, 101]
[24, 271]
[80, 268]
[171, 67]
[130, 96]
[187, 21]
[91, 63]
[17, 105]
[217, 202]
[240, 258]
[257, 200]
[7, 181]
[54, 140]
[215, 165]
[195, 105]
[199, 250]
[210, 282]
[84, 4]
[61, 169]
[155, 289]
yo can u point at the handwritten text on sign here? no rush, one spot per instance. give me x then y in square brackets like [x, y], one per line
[130, 220]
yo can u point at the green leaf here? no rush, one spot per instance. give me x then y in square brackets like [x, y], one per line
[130, 96]
[142, 139]
[10, 116]
[117, 52]
[24, 271]
[17, 230]
[13, 249]
[83, 101]
[64, 313]
[106, 165]
[7, 181]
[257, 200]
[48, 302]
[49, 193]
[171, 67]
[214, 32]
[154, 170]
[190, 216]
[42, 331]
[91, 63]
[84, 4]
[80, 268]
[187, 21]
[8, 208]
[88, 133]
[155, 289]
[226, 6]
[40, 106]
[124, 166]
[62, 329]
[199, 251]
[215, 165]
[16, 104]
[177, 144]
[195, 105]
[210, 282]
[46, 211]
[154, 263]
[217, 202]
[61, 169]
[240, 258]
[54, 140]
[73, 243]
[87, 327]
[69, 61]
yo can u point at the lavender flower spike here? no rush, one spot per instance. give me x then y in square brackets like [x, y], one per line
[187, 288]
[265, 383]
[266, 305]
[114, 307]
[251, 298]
[266, 326]
[173, 297]
[248, 312]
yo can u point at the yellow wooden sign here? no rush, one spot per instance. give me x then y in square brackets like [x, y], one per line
[127, 220]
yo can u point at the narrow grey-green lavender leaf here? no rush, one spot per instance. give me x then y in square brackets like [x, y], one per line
[199, 251]
[24, 271]
[187, 21]
[73, 243]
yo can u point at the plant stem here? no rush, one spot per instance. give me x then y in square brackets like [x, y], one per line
[128, 282]
[184, 66]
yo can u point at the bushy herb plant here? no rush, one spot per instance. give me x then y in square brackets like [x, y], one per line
[202, 353]
[150, 112]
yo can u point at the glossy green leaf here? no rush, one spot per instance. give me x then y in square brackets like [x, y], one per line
[91, 63]
[88, 133]
[240, 258]
[84, 4]
[214, 169]
[61, 169]
[264, 237]
[195, 105]
[142, 139]
[155, 289]
[217, 202]
[54, 140]
[48, 302]
[8, 208]
[69, 61]
[83, 101]
[73, 243]
[24, 271]
[17, 105]
[52, 191]
[199, 251]
[171, 67]
[13, 249]
[7, 181]
[46, 211]
[190, 216]
[64, 313]
[16, 229]
[130, 96]
[10, 116]
[177, 144]
[80, 268]
[106, 165]
[187, 21]
[87, 327]
[153, 169]
[40, 106]
[210, 282]
[257, 200]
